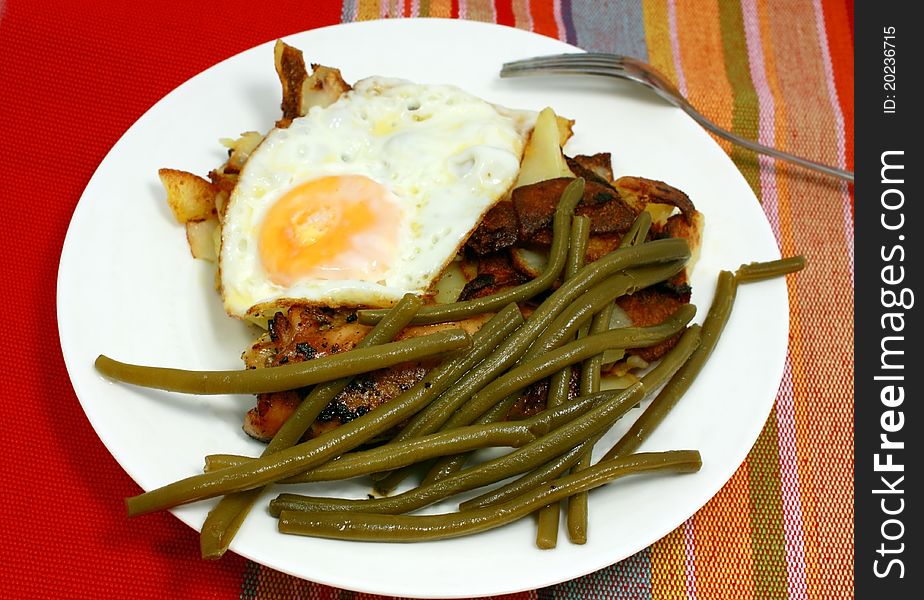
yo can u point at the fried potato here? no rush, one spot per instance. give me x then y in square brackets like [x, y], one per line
[542, 157]
[595, 167]
[221, 204]
[190, 197]
[240, 150]
[565, 129]
[301, 91]
[450, 284]
[290, 67]
[691, 231]
[639, 192]
[322, 88]
[529, 262]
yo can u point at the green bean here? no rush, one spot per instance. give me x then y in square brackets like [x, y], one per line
[577, 245]
[540, 368]
[549, 419]
[543, 366]
[408, 528]
[674, 359]
[447, 465]
[430, 418]
[435, 416]
[553, 469]
[460, 399]
[518, 461]
[652, 380]
[769, 270]
[590, 372]
[510, 434]
[667, 250]
[667, 398]
[346, 437]
[505, 324]
[580, 311]
[286, 377]
[638, 231]
[224, 520]
[589, 383]
[454, 311]
[560, 384]
[713, 325]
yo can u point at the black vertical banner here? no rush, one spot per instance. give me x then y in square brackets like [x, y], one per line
[888, 432]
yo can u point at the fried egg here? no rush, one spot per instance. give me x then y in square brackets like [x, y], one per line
[365, 200]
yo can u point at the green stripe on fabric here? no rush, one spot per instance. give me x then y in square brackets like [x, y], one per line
[767, 541]
[744, 97]
[424, 8]
[626, 580]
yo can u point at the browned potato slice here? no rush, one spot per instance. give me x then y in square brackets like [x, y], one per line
[565, 129]
[202, 236]
[223, 181]
[190, 197]
[290, 66]
[450, 284]
[594, 166]
[301, 91]
[691, 231]
[221, 203]
[639, 192]
[529, 262]
[660, 213]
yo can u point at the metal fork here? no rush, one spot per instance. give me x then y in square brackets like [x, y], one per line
[625, 67]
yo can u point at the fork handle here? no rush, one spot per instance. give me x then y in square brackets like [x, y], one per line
[761, 149]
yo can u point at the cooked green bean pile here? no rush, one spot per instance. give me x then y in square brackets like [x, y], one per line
[461, 404]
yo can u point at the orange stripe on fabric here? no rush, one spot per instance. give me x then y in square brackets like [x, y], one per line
[798, 56]
[441, 8]
[723, 542]
[703, 60]
[658, 37]
[543, 18]
[668, 576]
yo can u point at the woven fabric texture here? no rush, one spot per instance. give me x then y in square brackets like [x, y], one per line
[76, 76]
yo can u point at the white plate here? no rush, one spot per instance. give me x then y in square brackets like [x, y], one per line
[128, 288]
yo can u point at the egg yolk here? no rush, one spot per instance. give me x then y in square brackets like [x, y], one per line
[337, 227]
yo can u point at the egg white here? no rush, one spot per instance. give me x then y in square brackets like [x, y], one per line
[444, 155]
